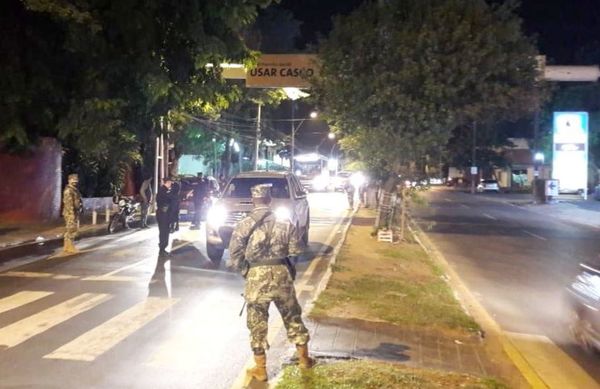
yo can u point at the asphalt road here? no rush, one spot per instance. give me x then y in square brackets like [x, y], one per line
[107, 318]
[517, 263]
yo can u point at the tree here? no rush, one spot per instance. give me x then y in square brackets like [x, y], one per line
[99, 74]
[398, 77]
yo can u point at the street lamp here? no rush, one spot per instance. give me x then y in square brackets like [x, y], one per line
[313, 115]
[214, 143]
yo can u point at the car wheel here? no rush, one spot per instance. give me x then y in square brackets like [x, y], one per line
[580, 330]
[306, 229]
[214, 253]
[114, 221]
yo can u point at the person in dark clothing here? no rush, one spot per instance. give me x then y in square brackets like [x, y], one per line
[163, 214]
[175, 192]
[200, 193]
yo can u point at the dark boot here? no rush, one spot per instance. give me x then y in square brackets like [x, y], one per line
[260, 370]
[304, 361]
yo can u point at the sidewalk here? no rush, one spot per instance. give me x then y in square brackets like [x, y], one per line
[14, 237]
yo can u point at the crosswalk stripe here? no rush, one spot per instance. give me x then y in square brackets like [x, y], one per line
[21, 298]
[33, 325]
[94, 343]
[26, 274]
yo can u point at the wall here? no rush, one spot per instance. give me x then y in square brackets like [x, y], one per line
[30, 188]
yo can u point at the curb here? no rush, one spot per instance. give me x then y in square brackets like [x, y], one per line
[10, 252]
[478, 312]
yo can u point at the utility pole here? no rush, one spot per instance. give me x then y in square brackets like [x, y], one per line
[257, 138]
[293, 139]
[474, 170]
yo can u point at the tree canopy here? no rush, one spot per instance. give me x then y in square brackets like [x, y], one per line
[399, 76]
[98, 74]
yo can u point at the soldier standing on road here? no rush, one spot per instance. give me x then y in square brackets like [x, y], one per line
[262, 248]
[72, 207]
[146, 195]
[163, 214]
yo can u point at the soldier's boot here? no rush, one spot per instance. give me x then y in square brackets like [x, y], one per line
[304, 361]
[259, 371]
[70, 247]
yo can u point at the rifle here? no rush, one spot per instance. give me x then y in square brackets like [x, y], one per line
[243, 305]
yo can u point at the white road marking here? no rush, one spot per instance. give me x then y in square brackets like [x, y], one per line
[544, 357]
[534, 235]
[33, 325]
[489, 216]
[448, 200]
[182, 350]
[465, 206]
[96, 342]
[112, 273]
[26, 274]
[21, 298]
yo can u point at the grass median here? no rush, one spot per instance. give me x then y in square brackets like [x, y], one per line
[397, 284]
[377, 375]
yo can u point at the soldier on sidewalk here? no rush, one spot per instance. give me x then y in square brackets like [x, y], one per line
[262, 249]
[72, 207]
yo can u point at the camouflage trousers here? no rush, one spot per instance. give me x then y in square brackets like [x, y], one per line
[72, 226]
[266, 284]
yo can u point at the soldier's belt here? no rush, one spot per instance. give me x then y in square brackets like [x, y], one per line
[269, 262]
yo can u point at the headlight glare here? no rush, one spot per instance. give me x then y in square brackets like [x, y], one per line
[283, 214]
[216, 216]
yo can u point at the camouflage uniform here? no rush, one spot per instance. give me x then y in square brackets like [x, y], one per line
[71, 207]
[270, 282]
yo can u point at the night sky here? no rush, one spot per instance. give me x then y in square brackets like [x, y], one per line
[566, 31]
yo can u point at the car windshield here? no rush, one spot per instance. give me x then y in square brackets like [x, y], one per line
[240, 187]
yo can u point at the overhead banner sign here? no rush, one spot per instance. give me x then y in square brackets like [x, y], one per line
[570, 151]
[282, 70]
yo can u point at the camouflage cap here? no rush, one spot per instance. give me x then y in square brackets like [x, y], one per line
[73, 177]
[261, 191]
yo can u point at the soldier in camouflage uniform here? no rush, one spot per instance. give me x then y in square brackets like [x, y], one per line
[72, 207]
[261, 247]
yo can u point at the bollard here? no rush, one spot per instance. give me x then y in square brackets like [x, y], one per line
[94, 216]
[107, 214]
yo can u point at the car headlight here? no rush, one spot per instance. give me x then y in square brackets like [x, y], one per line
[121, 203]
[216, 216]
[283, 214]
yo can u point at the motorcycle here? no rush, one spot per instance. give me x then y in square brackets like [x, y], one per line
[126, 213]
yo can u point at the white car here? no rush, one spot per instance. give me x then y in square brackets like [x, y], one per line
[488, 186]
[235, 203]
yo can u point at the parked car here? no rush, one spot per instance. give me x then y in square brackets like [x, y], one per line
[584, 298]
[235, 203]
[488, 186]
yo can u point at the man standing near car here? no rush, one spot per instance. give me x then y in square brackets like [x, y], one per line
[72, 208]
[263, 249]
[200, 192]
[163, 214]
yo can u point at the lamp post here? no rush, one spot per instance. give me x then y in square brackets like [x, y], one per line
[313, 115]
[214, 141]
